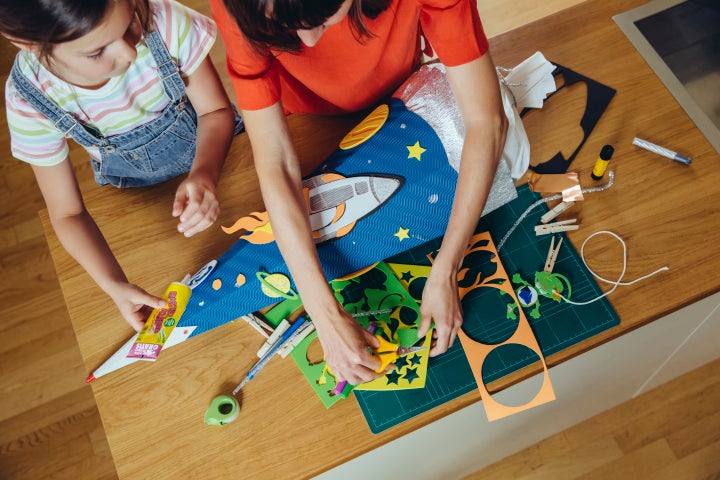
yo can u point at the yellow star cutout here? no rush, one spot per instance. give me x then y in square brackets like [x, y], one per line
[402, 233]
[415, 150]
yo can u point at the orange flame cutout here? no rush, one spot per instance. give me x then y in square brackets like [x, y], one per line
[255, 228]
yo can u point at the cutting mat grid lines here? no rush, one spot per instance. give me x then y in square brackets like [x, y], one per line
[559, 325]
[385, 409]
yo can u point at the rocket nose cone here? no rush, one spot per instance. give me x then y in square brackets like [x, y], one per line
[383, 187]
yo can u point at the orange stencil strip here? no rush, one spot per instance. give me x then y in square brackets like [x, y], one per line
[477, 352]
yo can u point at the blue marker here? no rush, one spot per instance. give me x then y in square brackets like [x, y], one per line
[271, 351]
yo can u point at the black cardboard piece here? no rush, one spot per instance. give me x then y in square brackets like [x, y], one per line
[598, 99]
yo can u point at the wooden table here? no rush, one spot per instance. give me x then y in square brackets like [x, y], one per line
[153, 413]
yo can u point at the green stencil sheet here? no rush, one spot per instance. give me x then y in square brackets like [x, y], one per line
[560, 325]
[397, 318]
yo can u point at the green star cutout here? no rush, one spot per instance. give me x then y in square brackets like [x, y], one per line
[401, 362]
[415, 360]
[393, 377]
[406, 276]
[411, 374]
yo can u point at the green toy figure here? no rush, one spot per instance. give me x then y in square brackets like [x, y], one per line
[546, 284]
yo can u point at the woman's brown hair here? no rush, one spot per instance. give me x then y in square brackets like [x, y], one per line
[271, 24]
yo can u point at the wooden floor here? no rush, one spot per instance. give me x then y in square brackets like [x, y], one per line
[671, 432]
[50, 427]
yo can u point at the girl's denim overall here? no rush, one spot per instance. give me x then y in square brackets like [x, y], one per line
[156, 151]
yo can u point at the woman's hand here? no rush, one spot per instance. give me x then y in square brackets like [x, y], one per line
[345, 344]
[441, 305]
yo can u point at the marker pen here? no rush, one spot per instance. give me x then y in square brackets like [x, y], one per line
[651, 147]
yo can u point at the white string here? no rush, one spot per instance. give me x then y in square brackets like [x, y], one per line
[615, 283]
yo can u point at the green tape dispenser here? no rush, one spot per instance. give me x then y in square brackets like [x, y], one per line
[222, 410]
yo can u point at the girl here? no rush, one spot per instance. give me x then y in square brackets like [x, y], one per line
[340, 56]
[130, 81]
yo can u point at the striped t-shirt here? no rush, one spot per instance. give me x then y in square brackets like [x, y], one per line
[120, 105]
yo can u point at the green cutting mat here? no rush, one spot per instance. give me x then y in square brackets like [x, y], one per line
[560, 325]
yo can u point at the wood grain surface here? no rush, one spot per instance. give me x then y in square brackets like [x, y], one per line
[652, 201]
[664, 211]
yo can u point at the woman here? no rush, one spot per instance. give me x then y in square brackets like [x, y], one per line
[339, 56]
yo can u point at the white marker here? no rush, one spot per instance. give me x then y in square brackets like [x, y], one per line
[661, 151]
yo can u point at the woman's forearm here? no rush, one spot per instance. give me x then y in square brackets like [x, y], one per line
[281, 186]
[476, 89]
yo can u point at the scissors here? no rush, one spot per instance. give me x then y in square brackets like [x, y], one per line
[389, 352]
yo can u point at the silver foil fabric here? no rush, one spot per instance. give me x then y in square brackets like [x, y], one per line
[427, 93]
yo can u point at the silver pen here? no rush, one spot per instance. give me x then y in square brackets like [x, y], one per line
[651, 147]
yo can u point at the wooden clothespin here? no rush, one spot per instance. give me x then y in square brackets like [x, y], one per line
[556, 227]
[295, 340]
[259, 323]
[274, 336]
[557, 210]
[552, 255]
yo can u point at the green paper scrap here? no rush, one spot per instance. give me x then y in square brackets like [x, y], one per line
[374, 290]
[282, 310]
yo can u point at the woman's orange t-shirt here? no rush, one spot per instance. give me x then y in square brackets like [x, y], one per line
[341, 74]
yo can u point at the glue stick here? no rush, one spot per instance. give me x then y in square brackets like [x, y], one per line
[160, 323]
[602, 162]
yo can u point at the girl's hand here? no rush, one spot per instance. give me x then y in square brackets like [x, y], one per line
[135, 304]
[196, 204]
[345, 344]
[440, 304]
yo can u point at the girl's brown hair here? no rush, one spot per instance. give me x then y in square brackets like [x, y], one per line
[46, 23]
